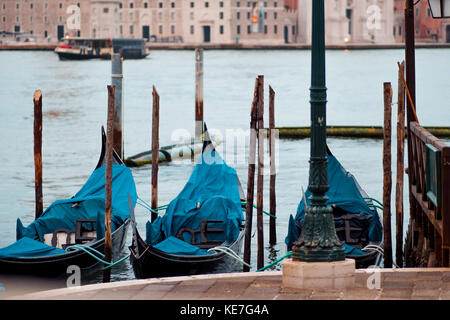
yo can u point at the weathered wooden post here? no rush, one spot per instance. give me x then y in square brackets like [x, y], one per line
[400, 168]
[198, 93]
[387, 178]
[37, 98]
[155, 152]
[108, 182]
[272, 196]
[260, 186]
[117, 82]
[251, 178]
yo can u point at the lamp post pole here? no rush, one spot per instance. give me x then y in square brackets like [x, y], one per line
[318, 241]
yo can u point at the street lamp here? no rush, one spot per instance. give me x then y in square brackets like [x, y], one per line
[439, 8]
[318, 241]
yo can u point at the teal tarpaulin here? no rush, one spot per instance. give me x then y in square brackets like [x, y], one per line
[345, 193]
[88, 203]
[211, 193]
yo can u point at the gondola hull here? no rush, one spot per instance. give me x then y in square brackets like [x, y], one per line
[152, 263]
[52, 266]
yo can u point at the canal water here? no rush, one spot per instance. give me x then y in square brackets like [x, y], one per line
[75, 104]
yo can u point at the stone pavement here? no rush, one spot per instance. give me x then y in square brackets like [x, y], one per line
[370, 284]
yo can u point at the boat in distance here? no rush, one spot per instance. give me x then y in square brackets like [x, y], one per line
[88, 48]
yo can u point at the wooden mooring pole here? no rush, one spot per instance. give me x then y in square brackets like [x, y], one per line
[387, 174]
[260, 186]
[198, 93]
[400, 168]
[108, 183]
[117, 82]
[272, 196]
[251, 178]
[37, 98]
[155, 152]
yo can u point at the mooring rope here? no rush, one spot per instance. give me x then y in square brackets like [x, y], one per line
[378, 249]
[254, 206]
[88, 249]
[230, 253]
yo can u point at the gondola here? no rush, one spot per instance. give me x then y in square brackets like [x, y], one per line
[356, 219]
[202, 227]
[43, 248]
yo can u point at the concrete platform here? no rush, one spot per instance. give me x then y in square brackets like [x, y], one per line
[370, 284]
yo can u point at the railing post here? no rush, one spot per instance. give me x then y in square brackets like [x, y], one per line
[445, 209]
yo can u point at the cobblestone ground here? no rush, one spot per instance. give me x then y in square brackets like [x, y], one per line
[373, 284]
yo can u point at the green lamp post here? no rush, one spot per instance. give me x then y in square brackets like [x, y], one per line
[318, 241]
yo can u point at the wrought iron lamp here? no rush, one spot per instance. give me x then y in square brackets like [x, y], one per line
[439, 8]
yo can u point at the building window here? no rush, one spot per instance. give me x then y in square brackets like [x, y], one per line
[172, 29]
[275, 29]
[31, 6]
[238, 15]
[172, 15]
[221, 4]
[192, 15]
[4, 19]
[131, 5]
[192, 29]
[17, 19]
[265, 14]
[293, 30]
[417, 11]
[238, 4]
[192, 4]
[160, 4]
[275, 15]
[238, 29]
[131, 29]
[248, 4]
[121, 29]
[31, 18]
[221, 29]
[45, 19]
[78, 33]
[248, 15]
[160, 29]
[160, 16]
[399, 30]
[45, 5]
[45, 34]
[206, 4]
[221, 15]
[60, 5]
[172, 4]
[438, 31]
[417, 31]
[120, 5]
[395, 29]
[265, 4]
[145, 4]
[429, 12]
[4, 6]
[275, 4]
[17, 6]
[265, 29]
[78, 5]
[249, 29]
[105, 10]
[428, 31]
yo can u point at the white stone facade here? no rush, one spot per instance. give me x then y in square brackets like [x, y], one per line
[350, 21]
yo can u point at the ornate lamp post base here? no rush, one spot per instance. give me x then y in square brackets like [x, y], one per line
[318, 241]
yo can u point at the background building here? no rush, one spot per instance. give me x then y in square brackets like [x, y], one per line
[350, 21]
[188, 21]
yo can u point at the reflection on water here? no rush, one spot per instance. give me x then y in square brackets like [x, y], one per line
[75, 104]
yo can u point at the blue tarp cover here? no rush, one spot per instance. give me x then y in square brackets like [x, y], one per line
[33, 249]
[91, 205]
[343, 193]
[213, 186]
[176, 246]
